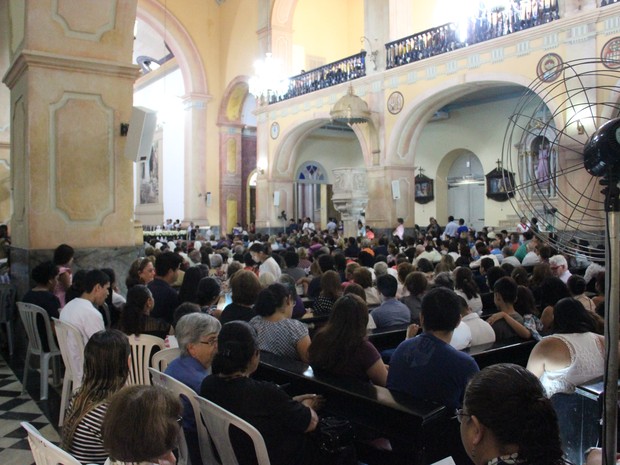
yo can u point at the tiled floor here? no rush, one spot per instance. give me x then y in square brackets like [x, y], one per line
[15, 407]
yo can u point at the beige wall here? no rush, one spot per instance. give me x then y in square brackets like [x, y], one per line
[328, 29]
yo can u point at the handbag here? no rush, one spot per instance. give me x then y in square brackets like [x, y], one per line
[335, 439]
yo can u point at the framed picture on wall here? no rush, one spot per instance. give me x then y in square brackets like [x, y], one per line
[424, 189]
[500, 184]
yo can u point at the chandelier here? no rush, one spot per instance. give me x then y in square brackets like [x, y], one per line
[268, 83]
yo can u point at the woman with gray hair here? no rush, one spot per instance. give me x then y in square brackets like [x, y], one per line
[197, 337]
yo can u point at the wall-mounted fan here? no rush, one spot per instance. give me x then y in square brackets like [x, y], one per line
[563, 143]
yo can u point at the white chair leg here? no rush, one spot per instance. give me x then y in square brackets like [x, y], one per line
[66, 392]
[45, 373]
[26, 369]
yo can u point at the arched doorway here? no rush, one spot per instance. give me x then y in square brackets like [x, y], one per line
[466, 190]
[311, 191]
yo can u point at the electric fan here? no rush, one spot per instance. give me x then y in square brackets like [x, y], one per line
[561, 159]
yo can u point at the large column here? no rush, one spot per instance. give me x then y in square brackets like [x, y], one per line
[71, 83]
[377, 30]
[383, 208]
[231, 181]
[196, 180]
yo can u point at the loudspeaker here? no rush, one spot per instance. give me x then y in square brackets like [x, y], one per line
[396, 190]
[276, 199]
[141, 132]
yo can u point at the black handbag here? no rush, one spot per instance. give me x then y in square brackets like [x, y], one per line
[335, 439]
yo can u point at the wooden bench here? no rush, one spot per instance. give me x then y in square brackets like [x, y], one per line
[387, 338]
[420, 432]
[514, 350]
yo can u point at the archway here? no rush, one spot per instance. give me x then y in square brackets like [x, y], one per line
[466, 189]
[194, 100]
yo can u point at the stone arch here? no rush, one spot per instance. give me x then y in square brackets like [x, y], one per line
[441, 188]
[232, 101]
[284, 159]
[418, 111]
[180, 42]
[195, 101]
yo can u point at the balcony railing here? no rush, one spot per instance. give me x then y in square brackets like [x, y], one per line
[421, 45]
[521, 15]
[344, 70]
[487, 25]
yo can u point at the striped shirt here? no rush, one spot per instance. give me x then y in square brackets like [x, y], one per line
[87, 444]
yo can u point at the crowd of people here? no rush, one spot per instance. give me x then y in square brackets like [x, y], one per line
[224, 301]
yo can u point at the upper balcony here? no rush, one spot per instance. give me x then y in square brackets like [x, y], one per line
[487, 25]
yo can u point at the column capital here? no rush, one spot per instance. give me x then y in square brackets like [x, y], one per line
[39, 59]
[196, 101]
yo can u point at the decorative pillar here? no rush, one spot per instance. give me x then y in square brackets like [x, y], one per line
[196, 179]
[350, 196]
[231, 181]
[71, 83]
[377, 30]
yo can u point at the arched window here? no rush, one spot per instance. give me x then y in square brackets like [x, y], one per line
[311, 173]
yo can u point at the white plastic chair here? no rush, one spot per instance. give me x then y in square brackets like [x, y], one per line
[70, 342]
[7, 304]
[162, 359]
[28, 314]
[141, 349]
[218, 421]
[184, 391]
[45, 452]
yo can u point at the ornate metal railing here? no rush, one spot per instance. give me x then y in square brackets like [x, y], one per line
[487, 25]
[520, 15]
[340, 71]
[421, 45]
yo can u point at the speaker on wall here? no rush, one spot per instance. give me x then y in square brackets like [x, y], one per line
[276, 199]
[141, 133]
[396, 190]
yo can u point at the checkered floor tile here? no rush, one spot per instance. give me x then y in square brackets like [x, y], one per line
[15, 408]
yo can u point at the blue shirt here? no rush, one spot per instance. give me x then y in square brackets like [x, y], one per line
[427, 368]
[190, 372]
[391, 313]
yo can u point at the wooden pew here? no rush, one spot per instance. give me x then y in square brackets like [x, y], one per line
[514, 350]
[387, 338]
[420, 432]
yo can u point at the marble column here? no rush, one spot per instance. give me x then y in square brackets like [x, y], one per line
[71, 84]
[231, 181]
[196, 207]
[350, 196]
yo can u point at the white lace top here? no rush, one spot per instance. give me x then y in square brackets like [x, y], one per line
[587, 362]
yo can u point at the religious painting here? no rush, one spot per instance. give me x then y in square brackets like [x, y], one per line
[424, 189]
[500, 184]
[149, 171]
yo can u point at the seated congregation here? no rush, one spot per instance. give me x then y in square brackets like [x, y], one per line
[392, 337]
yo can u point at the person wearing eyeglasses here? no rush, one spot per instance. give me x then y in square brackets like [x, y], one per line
[559, 267]
[197, 337]
[506, 419]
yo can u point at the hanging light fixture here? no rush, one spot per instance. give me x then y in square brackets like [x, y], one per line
[350, 109]
[268, 83]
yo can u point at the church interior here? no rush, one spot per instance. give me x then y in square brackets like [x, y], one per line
[116, 116]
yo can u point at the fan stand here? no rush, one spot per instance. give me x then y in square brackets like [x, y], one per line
[612, 280]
